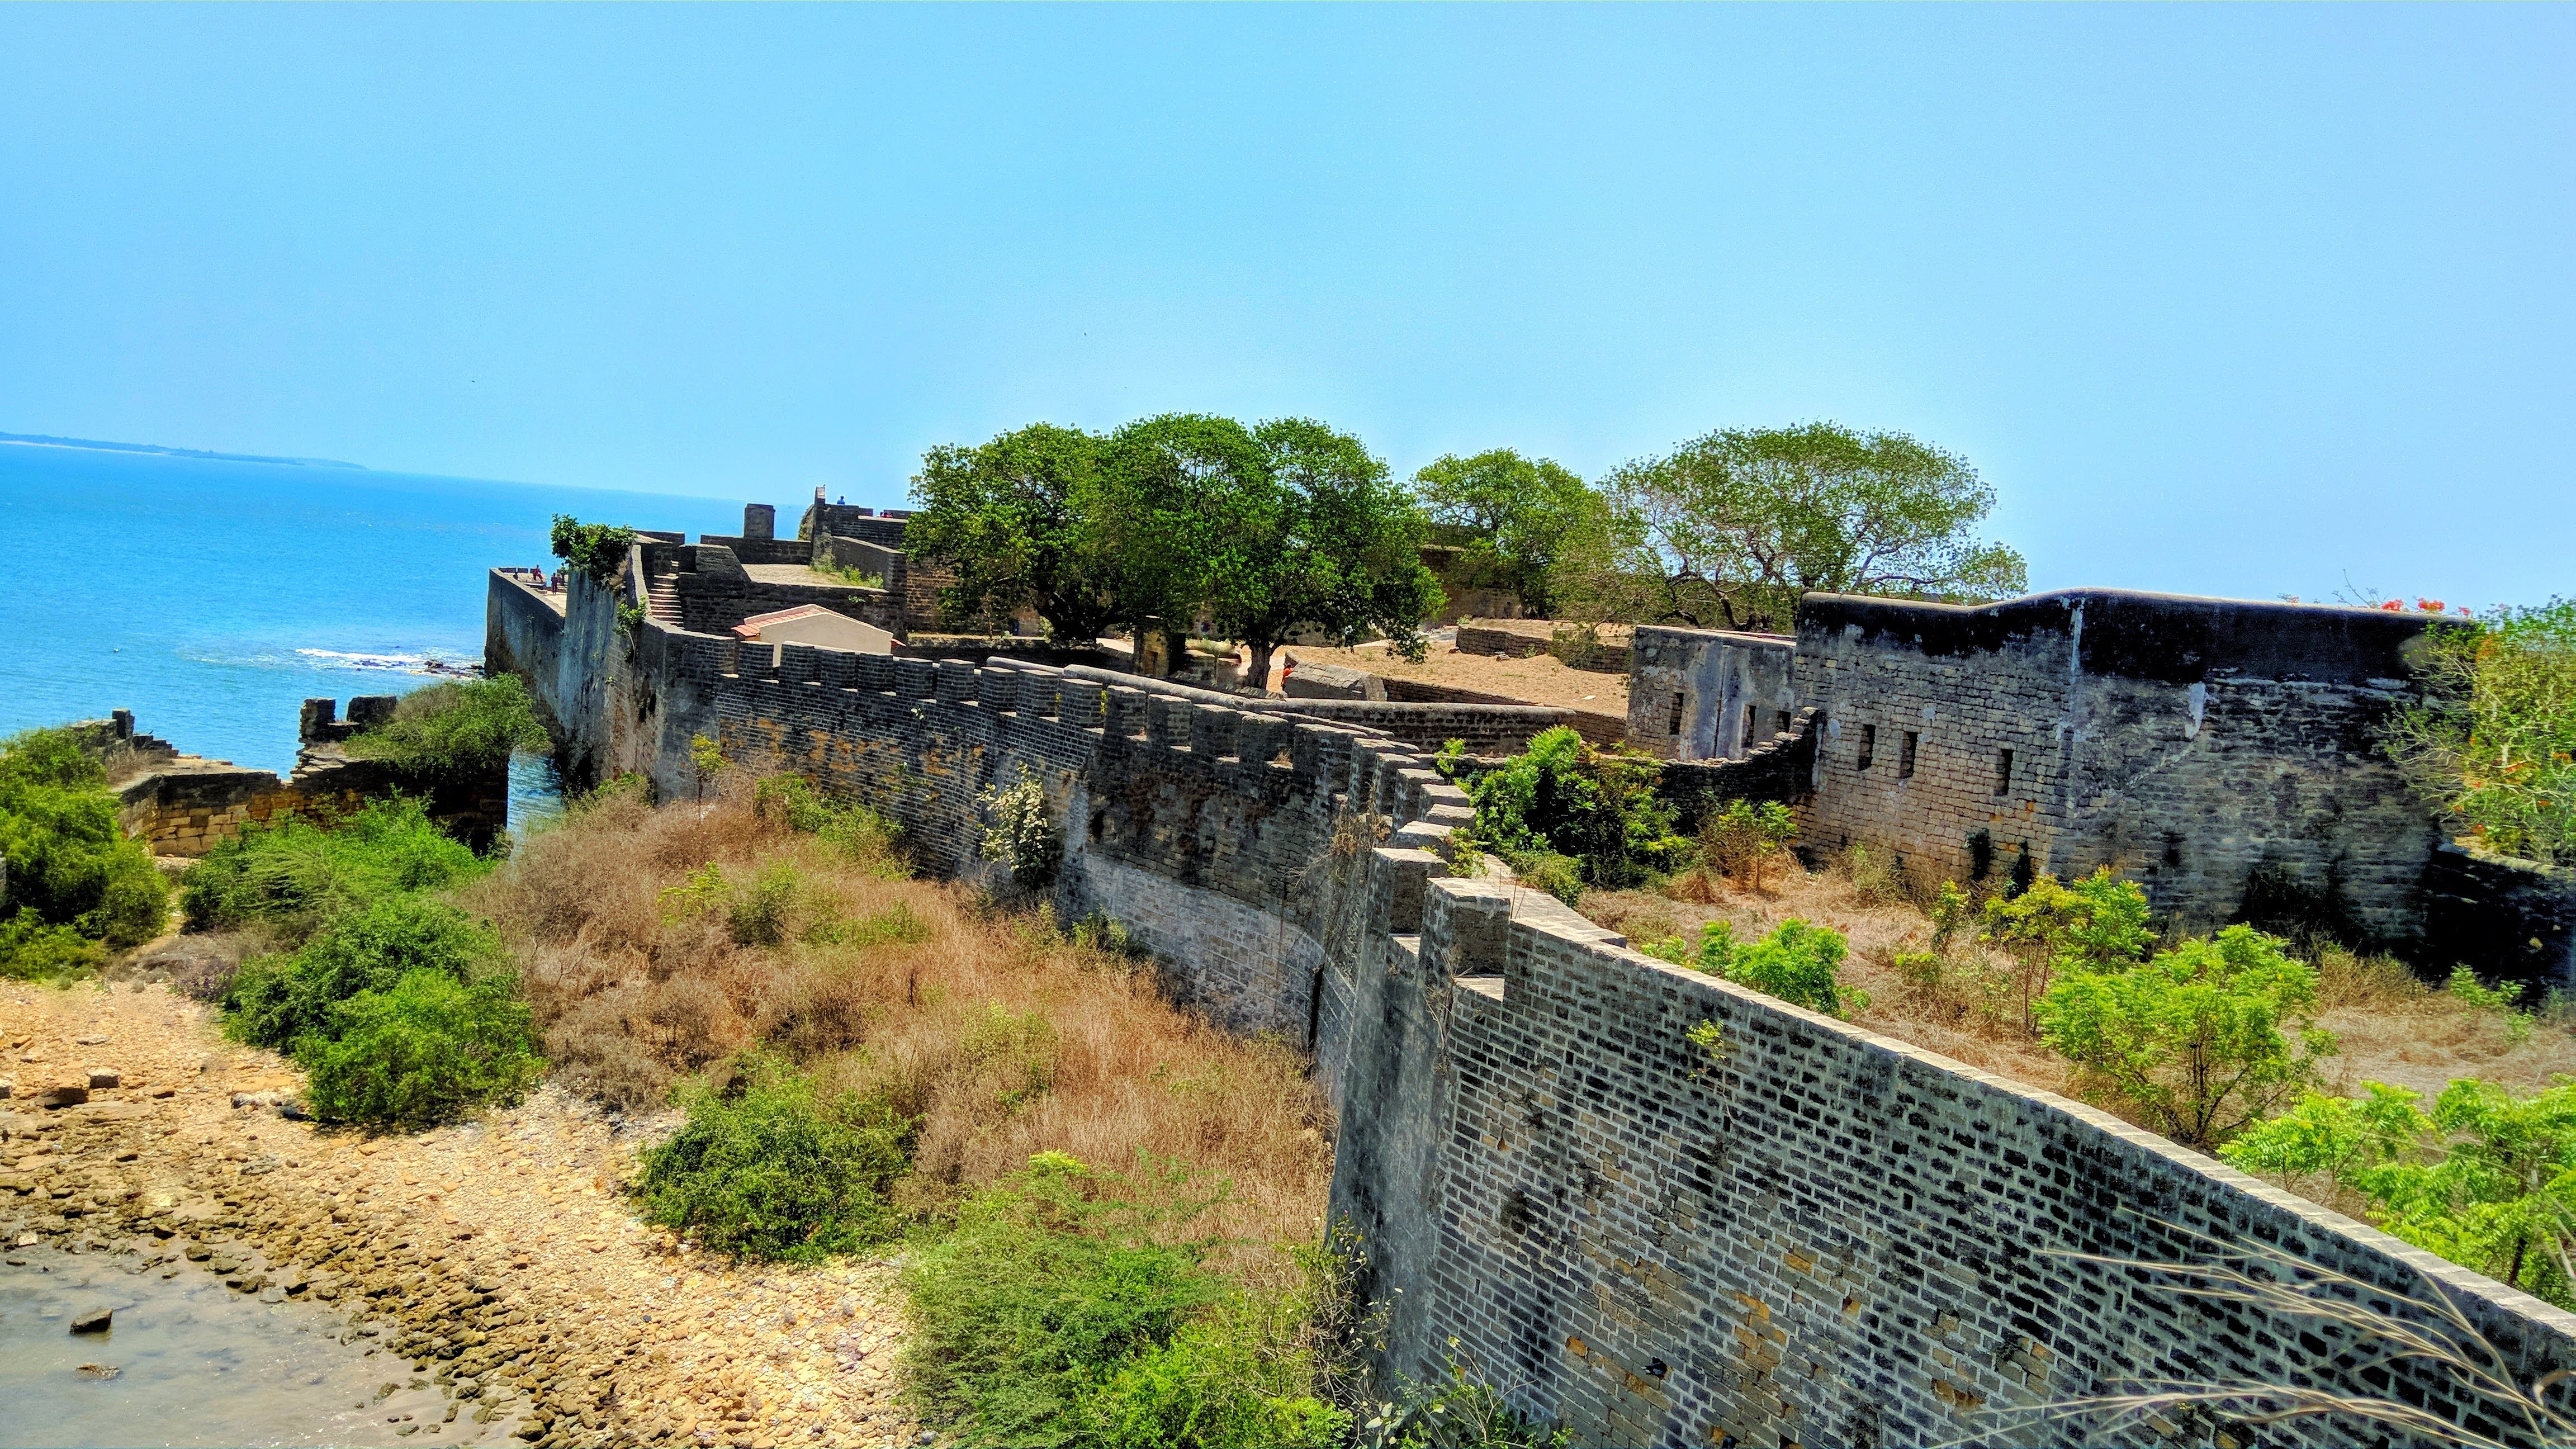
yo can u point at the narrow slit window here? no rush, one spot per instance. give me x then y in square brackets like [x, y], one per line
[1677, 716]
[2003, 772]
[1780, 722]
[1748, 726]
[1905, 755]
[1868, 745]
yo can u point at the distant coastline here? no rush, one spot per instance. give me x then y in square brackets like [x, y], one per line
[39, 440]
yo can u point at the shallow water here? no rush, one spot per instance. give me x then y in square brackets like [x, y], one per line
[196, 1363]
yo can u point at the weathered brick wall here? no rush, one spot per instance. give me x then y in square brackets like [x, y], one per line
[2511, 920]
[1814, 1236]
[715, 594]
[1707, 694]
[2187, 742]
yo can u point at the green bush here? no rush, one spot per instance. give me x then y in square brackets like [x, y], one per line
[293, 875]
[31, 950]
[1799, 962]
[776, 1171]
[69, 864]
[420, 1052]
[1057, 1312]
[857, 832]
[1563, 797]
[2198, 1040]
[757, 914]
[597, 550]
[2494, 741]
[2486, 1179]
[276, 1000]
[456, 730]
[2096, 923]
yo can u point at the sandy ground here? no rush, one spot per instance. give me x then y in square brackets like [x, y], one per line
[499, 1254]
[1540, 679]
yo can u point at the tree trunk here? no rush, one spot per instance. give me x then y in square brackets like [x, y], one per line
[1256, 673]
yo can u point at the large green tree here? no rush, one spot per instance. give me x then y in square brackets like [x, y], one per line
[1730, 529]
[1521, 514]
[1008, 519]
[1183, 507]
[1340, 549]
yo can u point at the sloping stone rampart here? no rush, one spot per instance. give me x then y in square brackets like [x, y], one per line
[1805, 1235]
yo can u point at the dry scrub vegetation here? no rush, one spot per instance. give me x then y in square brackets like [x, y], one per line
[658, 944]
[2392, 1027]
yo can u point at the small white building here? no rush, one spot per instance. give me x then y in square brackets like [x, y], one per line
[813, 624]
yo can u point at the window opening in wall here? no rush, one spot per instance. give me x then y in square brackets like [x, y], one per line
[2173, 847]
[1780, 724]
[2003, 772]
[1905, 754]
[1868, 745]
[1748, 727]
[1677, 716]
[1981, 854]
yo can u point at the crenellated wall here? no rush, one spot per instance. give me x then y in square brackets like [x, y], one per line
[1795, 1233]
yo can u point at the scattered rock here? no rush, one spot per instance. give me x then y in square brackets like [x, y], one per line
[102, 1078]
[99, 1370]
[95, 1320]
[254, 1099]
[63, 1094]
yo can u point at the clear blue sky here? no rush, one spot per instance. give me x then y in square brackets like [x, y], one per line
[2221, 300]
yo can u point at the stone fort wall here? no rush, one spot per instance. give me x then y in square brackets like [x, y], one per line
[1810, 1235]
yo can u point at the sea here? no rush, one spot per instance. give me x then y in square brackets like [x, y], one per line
[212, 596]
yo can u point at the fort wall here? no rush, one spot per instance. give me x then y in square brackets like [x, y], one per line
[1798, 1233]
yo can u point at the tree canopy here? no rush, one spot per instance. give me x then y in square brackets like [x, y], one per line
[1730, 529]
[1265, 530]
[1006, 518]
[1521, 513]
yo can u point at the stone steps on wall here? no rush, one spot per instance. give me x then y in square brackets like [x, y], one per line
[662, 598]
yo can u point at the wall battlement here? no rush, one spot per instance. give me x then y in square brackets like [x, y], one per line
[1812, 1235]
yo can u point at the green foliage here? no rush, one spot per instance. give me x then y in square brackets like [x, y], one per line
[2486, 1179]
[855, 831]
[456, 729]
[421, 1052]
[700, 893]
[1020, 829]
[2503, 1001]
[276, 1001]
[71, 875]
[856, 578]
[31, 950]
[293, 874]
[757, 914]
[775, 1170]
[1519, 515]
[2494, 740]
[1732, 527]
[595, 550]
[2097, 923]
[1742, 840]
[2198, 1040]
[1460, 1411]
[1563, 797]
[1799, 962]
[1013, 520]
[1059, 1311]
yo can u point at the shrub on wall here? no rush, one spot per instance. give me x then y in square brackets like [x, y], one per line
[597, 550]
[73, 886]
[1020, 829]
[456, 730]
[1563, 797]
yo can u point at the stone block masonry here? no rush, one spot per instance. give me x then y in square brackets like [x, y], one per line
[1806, 1234]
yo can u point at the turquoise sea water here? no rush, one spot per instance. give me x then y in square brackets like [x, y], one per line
[211, 597]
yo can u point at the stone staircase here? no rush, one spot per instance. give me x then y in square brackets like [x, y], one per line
[662, 598]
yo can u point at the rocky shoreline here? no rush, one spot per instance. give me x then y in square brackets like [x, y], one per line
[498, 1256]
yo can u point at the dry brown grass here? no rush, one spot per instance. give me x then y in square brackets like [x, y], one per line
[1001, 1034]
[2393, 1028]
